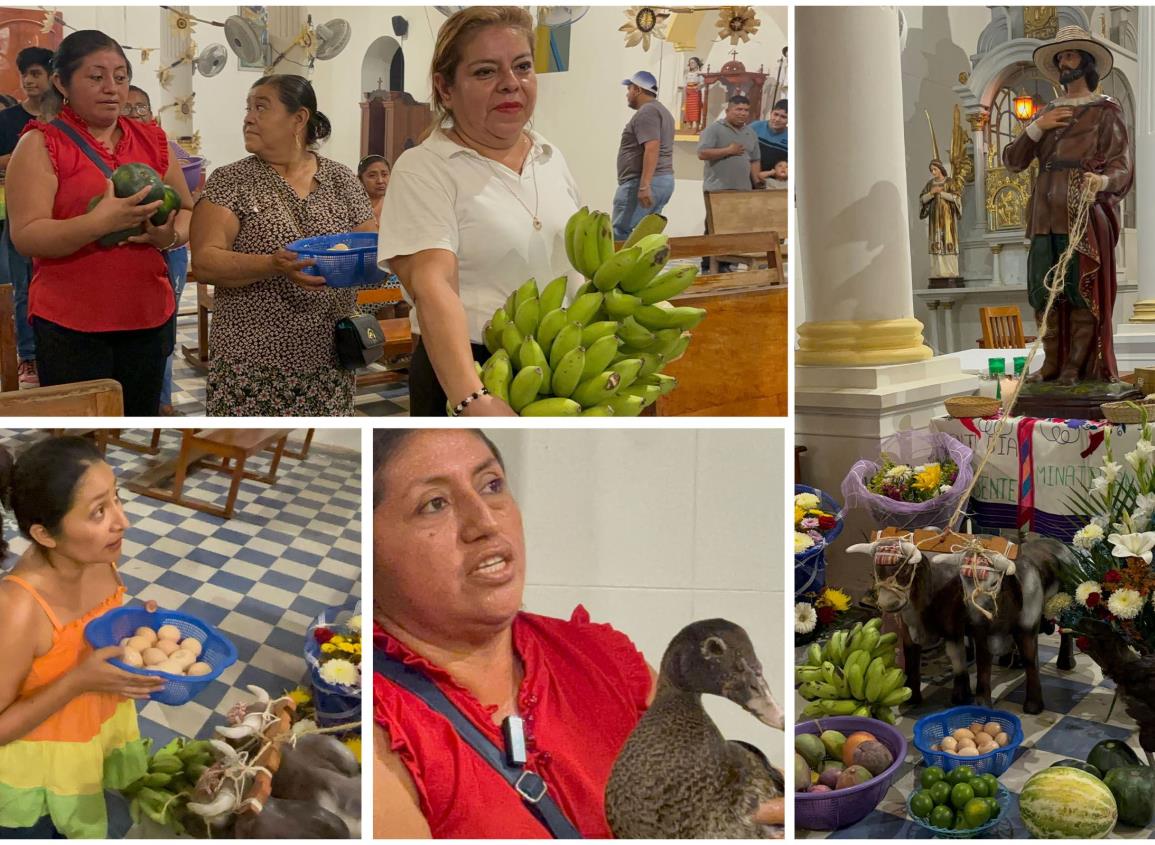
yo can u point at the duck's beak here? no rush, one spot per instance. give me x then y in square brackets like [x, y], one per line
[761, 703]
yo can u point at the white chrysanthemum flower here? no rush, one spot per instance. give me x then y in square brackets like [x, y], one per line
[354, 623]
[1085, 589]
[900, 471]
[1087, 536]
[1133, 545]
[804, 618]
[340, 672]
[1056, 604]
[802, 542]
[1125, 603]
[806, 501]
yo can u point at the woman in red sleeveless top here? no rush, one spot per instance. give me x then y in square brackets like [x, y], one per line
[450, 565]
[97, 311]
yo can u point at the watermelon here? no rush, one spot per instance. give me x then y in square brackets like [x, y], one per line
[1064, 803]
[1134, 791]
[1079, 764]
[1111, 753]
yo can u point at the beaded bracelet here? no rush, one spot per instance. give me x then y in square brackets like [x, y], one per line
[464, 403]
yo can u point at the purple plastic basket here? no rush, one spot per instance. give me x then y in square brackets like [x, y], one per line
[911, 448]
[844, 807]
[192, 171]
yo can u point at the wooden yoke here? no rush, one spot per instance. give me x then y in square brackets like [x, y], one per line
[941, 542]
[270, 757]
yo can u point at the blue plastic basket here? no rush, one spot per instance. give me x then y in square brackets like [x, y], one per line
[1003, 798]
[335, 704]
[931, 729]
[352, 267]
[810, 565]
[217, 651]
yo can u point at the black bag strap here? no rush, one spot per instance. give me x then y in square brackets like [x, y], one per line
[85, 147]
[529, 785]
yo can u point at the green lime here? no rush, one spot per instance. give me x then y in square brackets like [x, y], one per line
[979, 786]
[976, 812]
[940, 793]
[993, 803]
[942, 817]
[960, 794]
[992, 783]
[931, 776]
[921, 804]
[962, 774]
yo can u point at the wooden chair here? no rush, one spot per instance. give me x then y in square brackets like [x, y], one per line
[198, 356]
[9, 379]
[1002, 328]
[740, 212]
[223, 450]
[98, 398]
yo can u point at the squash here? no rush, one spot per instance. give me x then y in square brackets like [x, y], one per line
[1079, 764]
[1134, 791]
[1064, 803]
[1111, 753]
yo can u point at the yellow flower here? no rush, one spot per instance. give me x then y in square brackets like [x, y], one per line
[799, 513]
[930, 479]
[353, 743]
[338, 639]
[328, 648]
[301, 696]
[833, 597]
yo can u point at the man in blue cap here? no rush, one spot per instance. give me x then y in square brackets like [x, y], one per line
[645, 157]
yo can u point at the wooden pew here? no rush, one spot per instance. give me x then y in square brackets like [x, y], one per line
[741, 212]
[98, 398]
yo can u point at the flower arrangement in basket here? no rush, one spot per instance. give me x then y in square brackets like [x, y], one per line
[818, 612]
[339, 662]
[333, 652]
[917, 481]
[813, 526]
[1109, 577]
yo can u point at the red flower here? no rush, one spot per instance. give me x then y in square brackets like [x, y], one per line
[1094, 599]
[1082, 643]
[826, 523]
[826, 615]
[322, 635]
[1113, 576]
[1102, 612]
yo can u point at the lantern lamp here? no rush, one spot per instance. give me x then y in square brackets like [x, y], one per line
[1024, 107]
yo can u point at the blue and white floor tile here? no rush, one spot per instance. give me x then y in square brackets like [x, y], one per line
[291, 551]
[1076, 718]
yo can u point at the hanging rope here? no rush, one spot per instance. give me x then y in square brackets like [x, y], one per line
[892, 547]
[1053, 282]
[975, 558]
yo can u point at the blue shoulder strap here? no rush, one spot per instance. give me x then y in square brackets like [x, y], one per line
[529, 785]
[85, 147]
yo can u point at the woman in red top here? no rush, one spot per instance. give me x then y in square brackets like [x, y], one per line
[449, 553]
[98, 312]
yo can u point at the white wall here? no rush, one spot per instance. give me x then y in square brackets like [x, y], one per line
[653, 529]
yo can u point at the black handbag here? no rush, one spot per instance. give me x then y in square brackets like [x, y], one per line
[360, 341]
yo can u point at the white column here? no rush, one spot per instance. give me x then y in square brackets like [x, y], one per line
[285, 24]
[932, 305]
[175, 106]
[996, 264]
[853, 220]
[1135, 340]
[863, 371]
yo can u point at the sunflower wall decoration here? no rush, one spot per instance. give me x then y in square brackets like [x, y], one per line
[644, 22]
[737, 23]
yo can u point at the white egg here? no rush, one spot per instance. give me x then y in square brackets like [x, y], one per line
[146, 632]
[199, 669]
[169, 632]
[132, 658]
[153, 656]
[192, 644]
[167, 646]
[184, 657]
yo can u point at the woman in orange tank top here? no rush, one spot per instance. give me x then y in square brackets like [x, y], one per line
[68, 726]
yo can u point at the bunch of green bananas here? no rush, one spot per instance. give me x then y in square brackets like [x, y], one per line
[853, 675]
[172, 775]
[603, 354]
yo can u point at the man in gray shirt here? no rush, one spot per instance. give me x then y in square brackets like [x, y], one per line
[645, 157]
[730, 149]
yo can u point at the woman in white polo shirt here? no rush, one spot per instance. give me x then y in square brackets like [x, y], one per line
[477, 208]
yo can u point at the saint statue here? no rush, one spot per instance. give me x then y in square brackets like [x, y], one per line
[940, 204]
[692, 96]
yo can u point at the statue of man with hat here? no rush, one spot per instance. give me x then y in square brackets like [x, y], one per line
[1080, 141]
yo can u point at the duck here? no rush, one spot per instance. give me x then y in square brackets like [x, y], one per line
[676, 776]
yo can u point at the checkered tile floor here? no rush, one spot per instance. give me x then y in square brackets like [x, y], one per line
[291, 551]
[1075, 720]
[188, 393]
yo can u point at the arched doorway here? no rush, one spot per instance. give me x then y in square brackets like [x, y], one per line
[383, 66]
